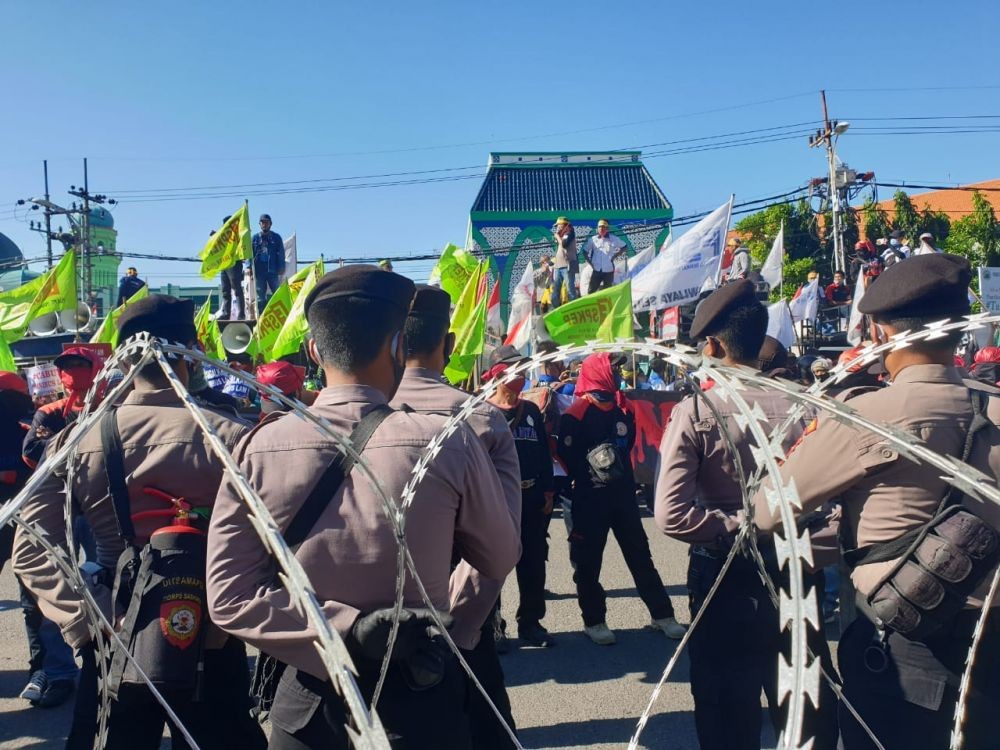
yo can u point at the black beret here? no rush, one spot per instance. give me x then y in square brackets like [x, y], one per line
[161, 315]
[364, 281]
[712, 310]
[920, 287]
[430, 302]
[505, 354]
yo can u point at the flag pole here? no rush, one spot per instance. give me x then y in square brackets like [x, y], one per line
[781, 268]
[722, 254]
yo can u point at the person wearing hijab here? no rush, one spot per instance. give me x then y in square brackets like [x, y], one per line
[595, 440]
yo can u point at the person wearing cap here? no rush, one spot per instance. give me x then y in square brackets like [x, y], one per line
[820, 369]
[537, 491]
[357, 316]
[698, 500]
[600, 251]
[268, 264]
[474, 597]
[129, 285]
[163, 448]
[385, 265]
[289, 379]
[904, 688]
[741, 259]
[895, 250]
[566, 264]
[594, 442]
[78, 367]
[926, 246]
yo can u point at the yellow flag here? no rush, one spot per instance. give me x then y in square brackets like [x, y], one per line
[453, 270]
[108, 332]
[271, 321]
[209, 333]
[468, 323]
[6, 357]
[229, 246]
[55, 290]
[294, 331]
[295, 283]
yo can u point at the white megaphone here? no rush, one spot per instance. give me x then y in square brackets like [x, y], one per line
[45, 325]
[236, 337]
[75, 320]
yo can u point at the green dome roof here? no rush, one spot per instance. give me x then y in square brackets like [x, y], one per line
[8, 251]
[101, 217]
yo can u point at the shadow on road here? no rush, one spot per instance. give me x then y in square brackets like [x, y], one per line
[30, 727]
[666, 731]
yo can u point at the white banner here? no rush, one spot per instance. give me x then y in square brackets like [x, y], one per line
[291, 257]
[677, 274]
[805, 306]
[856, 323]
[779, 323]
[771, 270]
[989, 288]
[634, 264]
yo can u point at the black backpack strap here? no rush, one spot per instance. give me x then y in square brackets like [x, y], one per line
[114, 470]
[328, 484]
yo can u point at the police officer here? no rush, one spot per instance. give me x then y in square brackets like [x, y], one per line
[595, 439]
[162, 449]
[699, 501]
[356, 315]
[474, 597]
[537, 493]
[905, 687]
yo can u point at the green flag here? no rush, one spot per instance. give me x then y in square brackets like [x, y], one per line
[209, 333]
[295, 328]
[270, 322]
[51, 292]
[453, 270]
[229, 246]
[6, 357]
[108, 332]
[602, 316]
[295, 282]
[468, 323]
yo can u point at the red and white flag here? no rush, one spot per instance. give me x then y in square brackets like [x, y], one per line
[494, 322]
[856, 323]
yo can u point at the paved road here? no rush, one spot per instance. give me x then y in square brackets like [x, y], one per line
[573, 695]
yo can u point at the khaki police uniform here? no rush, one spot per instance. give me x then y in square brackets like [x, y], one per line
[350, 556]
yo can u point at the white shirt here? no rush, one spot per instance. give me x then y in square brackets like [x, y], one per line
[925, 248]
[599, 250]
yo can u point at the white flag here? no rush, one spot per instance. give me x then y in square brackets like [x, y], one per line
[771, 270]
[526, 286]
[856, 323]
[291, 256]
[678, 273]
[805, 306]
[779, 323]
[586, 271]
[634, 264]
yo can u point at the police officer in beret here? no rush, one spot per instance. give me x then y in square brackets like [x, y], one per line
[357, 315]
[162, 449]
[699, 501]
[920, 584]
[474, 597]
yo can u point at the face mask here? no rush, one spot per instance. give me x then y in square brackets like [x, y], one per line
[398, 363]
[516, 384]
[197, 381]
[77, 379]
[894, 243]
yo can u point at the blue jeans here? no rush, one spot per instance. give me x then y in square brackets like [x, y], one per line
[562, 276]
[267, 284]
[46, 648]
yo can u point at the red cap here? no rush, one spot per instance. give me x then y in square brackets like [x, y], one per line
[11, 381]
[83, 352]
[284, 376]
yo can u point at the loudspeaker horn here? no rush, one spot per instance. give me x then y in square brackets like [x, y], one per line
[45, 325]
[236, 337]
[75, 320]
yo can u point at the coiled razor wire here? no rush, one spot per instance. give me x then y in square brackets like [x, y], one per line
[798, 680]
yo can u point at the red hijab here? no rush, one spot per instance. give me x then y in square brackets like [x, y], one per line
[596, 374]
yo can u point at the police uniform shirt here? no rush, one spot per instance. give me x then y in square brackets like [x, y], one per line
[472, 596]
[699, 491]
[350, 554]
[884, 494]
[585, 426]
[163, 448]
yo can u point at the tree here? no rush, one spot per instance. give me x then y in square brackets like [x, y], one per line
[802, 246]
[907, 219]
[875, 220]
[976, 236]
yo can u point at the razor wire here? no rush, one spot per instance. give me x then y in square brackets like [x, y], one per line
[796, 680]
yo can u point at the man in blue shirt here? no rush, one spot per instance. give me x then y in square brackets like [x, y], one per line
[129, 285]
[268, 264]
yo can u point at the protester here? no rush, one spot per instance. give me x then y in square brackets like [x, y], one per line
[289, 379]
[357, 315]
[600, 251]
[232, 290]
[268, 264]
[986, 365]
[153, 436]
[838, 293]
[474, 597]
[926, 246]
[820, 369]
[902, 659]
[895, 250]
[543, 283]
[740, 267]
[699, 501]
[566, 264]
[537, 493]
[129, 285]
[657, 374]
[385, 265]
[595, 439]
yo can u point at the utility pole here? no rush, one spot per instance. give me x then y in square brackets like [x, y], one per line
[84, 226]
[827, 137]
[48, 216]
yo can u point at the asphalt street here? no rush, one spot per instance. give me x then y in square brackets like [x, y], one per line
[575, 694]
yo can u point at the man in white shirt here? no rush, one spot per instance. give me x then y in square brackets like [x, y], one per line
[600, 251]
[926, 246]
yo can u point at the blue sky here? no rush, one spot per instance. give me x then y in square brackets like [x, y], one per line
[190, 94]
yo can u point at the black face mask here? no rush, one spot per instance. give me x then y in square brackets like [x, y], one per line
[398, 363]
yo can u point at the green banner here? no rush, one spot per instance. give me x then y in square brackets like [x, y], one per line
[602, 316]
[295, 328]
[108, 332]
[270, 322]
[6, 357]
[453, 270]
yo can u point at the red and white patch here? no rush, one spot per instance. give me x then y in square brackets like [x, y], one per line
[180, 620]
